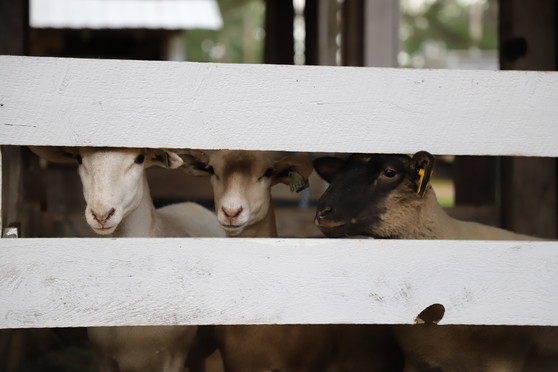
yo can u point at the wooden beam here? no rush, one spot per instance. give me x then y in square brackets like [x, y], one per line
[14, 26]
[279, 38]
[529, 196]
[14, 15]
[528, 35]
[381, 33]
[131, 281]
[352, 34]
[528, 39]
[57, 101]
[327, 32]
[12, 185]
[311, 28]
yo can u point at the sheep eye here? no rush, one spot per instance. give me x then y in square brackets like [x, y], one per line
[390, 173]
[210, 170]
[79, 159]
[140, 159]
[268, 172]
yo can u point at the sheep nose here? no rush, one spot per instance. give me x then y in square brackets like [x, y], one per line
[322, 213]
[232, 213]
[102, 219]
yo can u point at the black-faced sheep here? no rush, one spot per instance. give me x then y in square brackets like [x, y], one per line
[389, 196]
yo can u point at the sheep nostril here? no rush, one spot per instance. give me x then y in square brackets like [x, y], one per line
[103, 219]
[110, 213]
[322, 213]
[94, 215]
[232, 213]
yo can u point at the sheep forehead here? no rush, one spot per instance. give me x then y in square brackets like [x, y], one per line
[362, 170]
[357, 180]
[378, 160]
[108, 161]
[247, 165]
[109, 152]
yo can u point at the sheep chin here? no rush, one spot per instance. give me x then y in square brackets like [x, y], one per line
[232, 230]
[334, 232]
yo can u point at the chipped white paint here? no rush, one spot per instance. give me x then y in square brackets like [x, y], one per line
[77, 282]
[79, 102]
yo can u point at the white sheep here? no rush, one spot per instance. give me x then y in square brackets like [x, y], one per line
[389, 196]
[119, 203]
[242, 182]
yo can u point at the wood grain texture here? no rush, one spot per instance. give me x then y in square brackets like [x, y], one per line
[91, 282]
[80, 102]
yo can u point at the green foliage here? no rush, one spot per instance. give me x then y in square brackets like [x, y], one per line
[239, 41]
[447, 24]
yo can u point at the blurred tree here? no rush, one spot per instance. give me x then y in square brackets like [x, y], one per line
[447, 25]
[239, 41]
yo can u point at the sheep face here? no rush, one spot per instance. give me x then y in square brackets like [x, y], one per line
[114, 182]
[113, 179]
[370, 195]
[242, 182]
[112, 186]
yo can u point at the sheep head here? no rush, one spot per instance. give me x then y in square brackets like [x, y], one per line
[113, 179]
[371, 194]
[242, 182]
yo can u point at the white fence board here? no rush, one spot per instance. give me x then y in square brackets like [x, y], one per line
[92, 282]
[84, 282]
[79, 102]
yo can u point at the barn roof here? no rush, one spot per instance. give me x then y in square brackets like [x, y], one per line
[118, 14]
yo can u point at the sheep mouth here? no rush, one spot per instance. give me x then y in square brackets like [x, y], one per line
[104, 230]
[328, 224]
[232, 227]
[351, 228]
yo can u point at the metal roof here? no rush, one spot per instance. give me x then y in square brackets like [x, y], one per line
[117, 14]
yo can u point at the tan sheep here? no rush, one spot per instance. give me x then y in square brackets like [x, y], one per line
[242, 182]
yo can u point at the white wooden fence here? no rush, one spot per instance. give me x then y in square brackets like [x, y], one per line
[97, 281]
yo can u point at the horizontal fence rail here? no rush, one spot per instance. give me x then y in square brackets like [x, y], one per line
[93, 282]
[80, 102]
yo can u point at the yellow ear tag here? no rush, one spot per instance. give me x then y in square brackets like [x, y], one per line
[421, 174]
[298, 182]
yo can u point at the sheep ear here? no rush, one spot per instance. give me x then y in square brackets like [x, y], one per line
[195, 163]
[163, 158]
[293, 171]
[422, 166]
[56, 154]
[328, 167]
